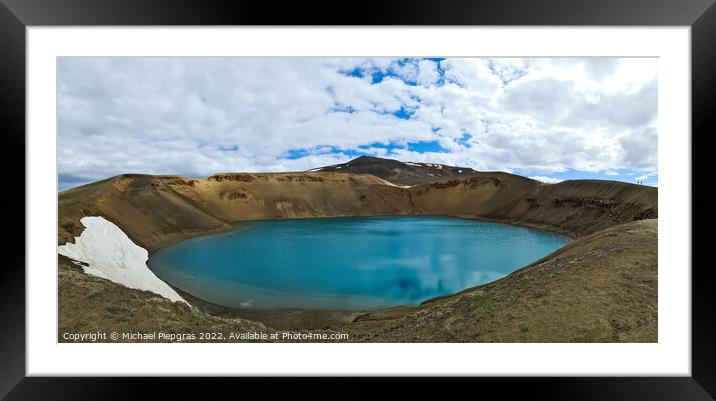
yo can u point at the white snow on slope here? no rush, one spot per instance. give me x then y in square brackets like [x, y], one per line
[386, 182]
[110, 254]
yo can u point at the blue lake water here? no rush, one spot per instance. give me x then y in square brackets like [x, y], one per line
[351, 263]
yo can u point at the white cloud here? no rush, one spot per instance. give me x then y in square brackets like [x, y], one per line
[510, 69]
[428, 73]
[196, 116]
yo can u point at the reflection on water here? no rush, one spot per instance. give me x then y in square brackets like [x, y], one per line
[348, 263]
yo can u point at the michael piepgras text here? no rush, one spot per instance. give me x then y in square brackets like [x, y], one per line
[287, 336]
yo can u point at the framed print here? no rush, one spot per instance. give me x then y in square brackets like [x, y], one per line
[459, 194]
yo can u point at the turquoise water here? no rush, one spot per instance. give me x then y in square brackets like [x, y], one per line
[348, 263]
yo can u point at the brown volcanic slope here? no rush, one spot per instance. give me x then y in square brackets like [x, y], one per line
[155, 211]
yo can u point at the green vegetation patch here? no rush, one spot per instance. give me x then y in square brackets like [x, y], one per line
[485, 305]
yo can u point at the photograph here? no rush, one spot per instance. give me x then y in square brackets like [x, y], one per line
[240, 194]
[357, 200]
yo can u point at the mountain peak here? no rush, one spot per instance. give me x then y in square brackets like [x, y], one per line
[365, 158]
[399, 172]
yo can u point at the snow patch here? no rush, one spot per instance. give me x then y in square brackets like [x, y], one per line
[338, 167]
[315, 169]
[412, 164]
[386, 182]
[110, 254]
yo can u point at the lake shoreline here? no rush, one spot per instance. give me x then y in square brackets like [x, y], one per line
[354, 263]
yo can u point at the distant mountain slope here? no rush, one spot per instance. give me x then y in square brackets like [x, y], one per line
[397, 172]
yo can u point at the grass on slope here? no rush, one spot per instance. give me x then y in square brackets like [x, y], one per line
[90, 304]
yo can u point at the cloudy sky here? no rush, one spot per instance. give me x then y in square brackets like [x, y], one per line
[550, 119]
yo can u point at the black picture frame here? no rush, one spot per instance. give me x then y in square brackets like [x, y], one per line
[16, 15]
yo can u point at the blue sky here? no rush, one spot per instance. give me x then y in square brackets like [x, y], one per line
[550, 119]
